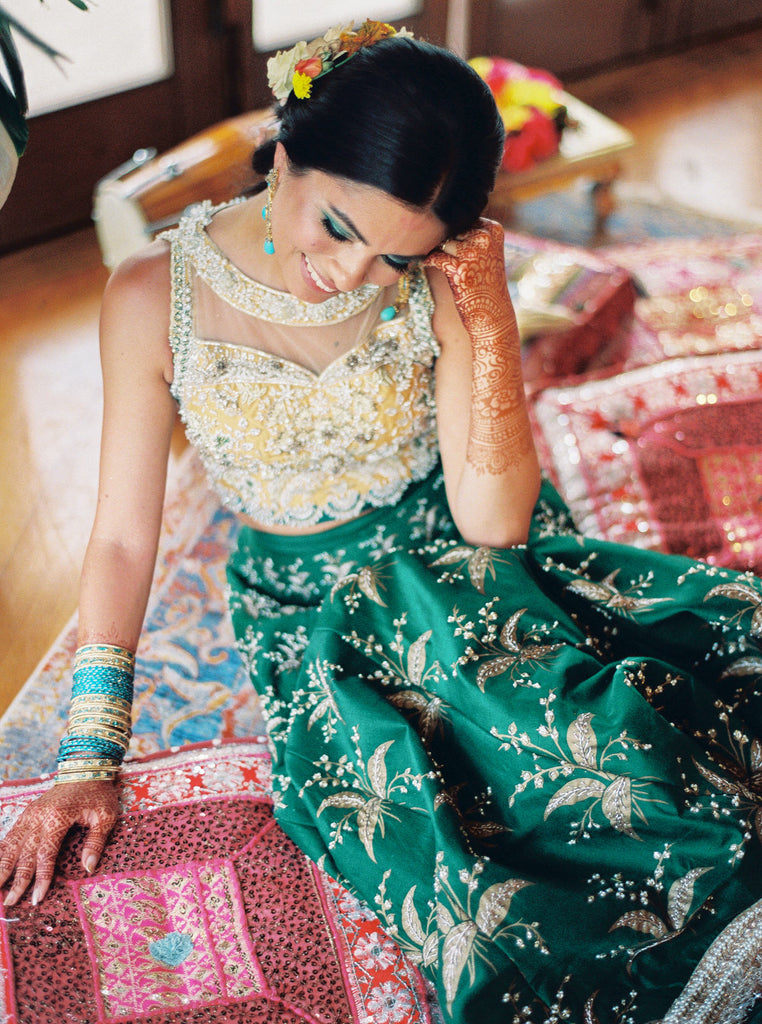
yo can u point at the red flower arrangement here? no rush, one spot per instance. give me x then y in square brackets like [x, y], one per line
[530, 102]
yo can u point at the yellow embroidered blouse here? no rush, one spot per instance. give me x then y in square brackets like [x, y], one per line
[290, 439]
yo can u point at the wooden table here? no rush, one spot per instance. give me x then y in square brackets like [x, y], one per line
[591, 149]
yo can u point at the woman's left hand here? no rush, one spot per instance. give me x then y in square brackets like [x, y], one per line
[474, 265]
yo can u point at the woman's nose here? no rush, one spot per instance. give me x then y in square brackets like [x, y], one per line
[352, 269]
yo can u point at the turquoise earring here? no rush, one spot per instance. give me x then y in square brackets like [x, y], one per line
[272, 182]
[403, 293]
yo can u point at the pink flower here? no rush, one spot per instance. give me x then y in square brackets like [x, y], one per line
[311, 67]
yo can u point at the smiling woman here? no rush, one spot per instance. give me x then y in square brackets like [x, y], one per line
[340, 234]
[528, 750]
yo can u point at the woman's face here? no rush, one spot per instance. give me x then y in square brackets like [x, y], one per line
[333, 235]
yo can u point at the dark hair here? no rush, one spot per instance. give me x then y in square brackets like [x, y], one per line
[409, 118]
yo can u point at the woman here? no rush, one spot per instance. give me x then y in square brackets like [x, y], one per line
[535, 756]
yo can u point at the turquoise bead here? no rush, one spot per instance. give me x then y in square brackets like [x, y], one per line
[388, 313]
[269, 247]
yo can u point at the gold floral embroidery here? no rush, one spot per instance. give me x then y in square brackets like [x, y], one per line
[607, 594]
[737, 772]
[740, 591]
[367, 799]
[419, 941]
[476, 561]
[618, 795]
[466, 934]
[674, 921]
[366, 580]
[507, 652]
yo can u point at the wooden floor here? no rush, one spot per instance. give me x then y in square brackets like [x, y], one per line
[697, 117]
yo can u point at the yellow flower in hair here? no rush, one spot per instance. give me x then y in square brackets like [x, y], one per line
[302, 86]
[280, 69]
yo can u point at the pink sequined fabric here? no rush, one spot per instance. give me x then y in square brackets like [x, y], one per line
[667, 456]
[667, 453]
[201, 910]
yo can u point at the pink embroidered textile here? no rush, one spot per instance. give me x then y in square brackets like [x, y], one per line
[667, 456]
[201, 910]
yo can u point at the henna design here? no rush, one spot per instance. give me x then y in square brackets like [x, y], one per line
[500, 434]
[31, 847]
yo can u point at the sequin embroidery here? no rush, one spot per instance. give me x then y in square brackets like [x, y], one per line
[281, 443]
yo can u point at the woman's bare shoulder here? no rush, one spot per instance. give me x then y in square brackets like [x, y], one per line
[135, 314]
[143, 278]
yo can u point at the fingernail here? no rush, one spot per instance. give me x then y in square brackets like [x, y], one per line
[90, 863]
[9, 900]
[36, 897]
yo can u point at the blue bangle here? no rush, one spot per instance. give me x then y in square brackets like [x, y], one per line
[99, 729]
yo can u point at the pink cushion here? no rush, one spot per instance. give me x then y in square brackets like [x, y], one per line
[666, 456]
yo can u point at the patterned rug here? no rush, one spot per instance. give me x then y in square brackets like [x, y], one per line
[638, 216]
[190, 686]
[662, 448]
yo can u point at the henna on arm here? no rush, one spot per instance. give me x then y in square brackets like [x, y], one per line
[500, 434]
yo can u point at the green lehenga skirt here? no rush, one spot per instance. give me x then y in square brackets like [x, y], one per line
[541, 767]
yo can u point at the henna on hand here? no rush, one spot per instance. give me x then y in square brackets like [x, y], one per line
[474, 265]
[32, 845]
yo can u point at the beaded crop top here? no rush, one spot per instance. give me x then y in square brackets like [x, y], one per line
[281, 441]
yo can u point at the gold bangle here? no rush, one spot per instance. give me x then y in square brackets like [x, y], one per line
[86, 776]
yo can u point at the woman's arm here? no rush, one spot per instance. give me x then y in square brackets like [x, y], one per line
[138, 419]
[491, 470]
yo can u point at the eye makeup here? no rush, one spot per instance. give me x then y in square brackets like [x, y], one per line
[340, 234]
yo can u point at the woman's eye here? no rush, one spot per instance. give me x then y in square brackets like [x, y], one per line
[334, 230]
[399, 265]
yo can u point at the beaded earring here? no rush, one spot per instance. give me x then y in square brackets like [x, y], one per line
[272, 184]
[403, 293]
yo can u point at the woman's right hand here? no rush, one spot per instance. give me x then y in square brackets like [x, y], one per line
[32, 845]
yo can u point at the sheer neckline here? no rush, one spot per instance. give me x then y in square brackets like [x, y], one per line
[259, 300]
[349, 359]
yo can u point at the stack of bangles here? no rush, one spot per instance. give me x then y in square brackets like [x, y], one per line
[100, 716]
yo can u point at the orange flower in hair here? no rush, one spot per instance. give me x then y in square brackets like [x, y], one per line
[367, 34]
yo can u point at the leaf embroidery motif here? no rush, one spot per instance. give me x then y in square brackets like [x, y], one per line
[455, 953]
[377, 768]
[370, 795]
[416, 658]
[643, 921]
[367, 580]
[519, 651]
[750, 665]
[679, 901]
[607, 594]
[681, 896]
[616, 804]
[411, 922]
[742, 592]
[574, 791]
[582, 741]
[617, 794]
[368, 817]
[495, 903]
[478, 562]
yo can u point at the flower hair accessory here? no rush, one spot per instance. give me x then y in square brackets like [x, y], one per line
[296, 69]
